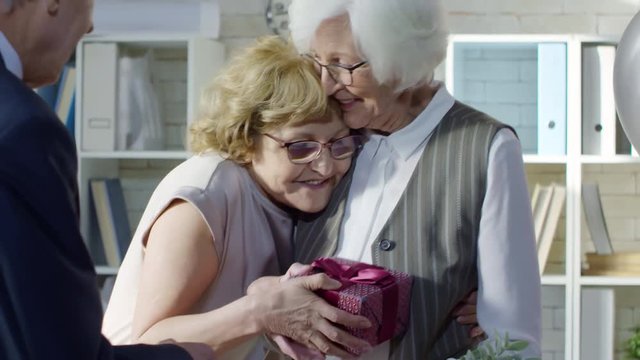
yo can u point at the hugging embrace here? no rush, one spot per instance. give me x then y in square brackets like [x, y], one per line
[340, 144]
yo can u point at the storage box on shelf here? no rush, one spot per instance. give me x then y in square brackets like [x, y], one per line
[132, 123]
[555, 90]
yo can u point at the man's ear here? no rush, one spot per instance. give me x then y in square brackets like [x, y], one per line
[52, 7]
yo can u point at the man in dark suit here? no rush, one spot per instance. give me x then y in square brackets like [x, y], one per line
[49, 302]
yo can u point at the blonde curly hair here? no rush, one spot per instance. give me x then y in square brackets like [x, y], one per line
[268, 86]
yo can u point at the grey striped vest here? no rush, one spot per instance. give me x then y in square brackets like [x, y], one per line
[432, 233]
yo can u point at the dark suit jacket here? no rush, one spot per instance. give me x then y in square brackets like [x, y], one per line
[49, 301]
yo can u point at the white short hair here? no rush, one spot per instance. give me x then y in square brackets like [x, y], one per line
[403, 40]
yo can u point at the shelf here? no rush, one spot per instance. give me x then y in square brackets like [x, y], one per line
[559, 280]
[106, 270]
[544, 159]
[609, 281]
[135, 155]
[616, 159]
[148, 37]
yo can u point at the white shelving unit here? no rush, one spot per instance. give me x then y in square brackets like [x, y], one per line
[181, 66]
[570, 168]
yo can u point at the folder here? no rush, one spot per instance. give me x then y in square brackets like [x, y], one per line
[99, 84]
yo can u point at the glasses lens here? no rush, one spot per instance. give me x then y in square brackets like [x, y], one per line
[339, 74]
[345, 147]
[304, 151]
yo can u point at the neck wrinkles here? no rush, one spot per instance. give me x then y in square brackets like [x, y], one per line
[409, 104]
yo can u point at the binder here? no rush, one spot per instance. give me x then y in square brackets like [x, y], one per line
[552, 99]
[100, 74]
[597, 326]
[599, 120]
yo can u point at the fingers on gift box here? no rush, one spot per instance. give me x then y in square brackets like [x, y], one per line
[381, 295]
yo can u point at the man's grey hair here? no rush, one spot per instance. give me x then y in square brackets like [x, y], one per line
[404, 41]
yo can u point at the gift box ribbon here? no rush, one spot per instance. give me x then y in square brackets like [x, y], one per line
[361, 273]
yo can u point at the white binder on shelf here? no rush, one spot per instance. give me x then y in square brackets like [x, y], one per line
[552, 99]
[597, 325]
[598, 105]
[100, 74]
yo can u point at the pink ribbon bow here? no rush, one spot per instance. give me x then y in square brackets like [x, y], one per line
[357, 273]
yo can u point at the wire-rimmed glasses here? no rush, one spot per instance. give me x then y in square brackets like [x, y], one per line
[305, 151]
[340, 73]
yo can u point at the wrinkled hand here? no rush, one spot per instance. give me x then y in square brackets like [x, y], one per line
[267, 283]
[296, 351]
[466, 313]
[289, 347]
[288, 307]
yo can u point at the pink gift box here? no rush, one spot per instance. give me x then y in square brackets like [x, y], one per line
[381, 295]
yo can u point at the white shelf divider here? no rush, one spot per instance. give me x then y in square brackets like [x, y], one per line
[135, 155]
[609, 281]
[556, 280]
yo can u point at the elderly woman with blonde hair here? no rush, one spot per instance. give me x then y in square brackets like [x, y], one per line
[268, 143]
[439, 189]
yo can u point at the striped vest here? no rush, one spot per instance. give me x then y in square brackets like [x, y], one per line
[432, 233]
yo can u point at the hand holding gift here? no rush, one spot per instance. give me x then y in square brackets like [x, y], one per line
[298, 314]
[381, 295]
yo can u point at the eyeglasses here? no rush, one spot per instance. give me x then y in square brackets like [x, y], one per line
[342, 74]
[305, 151]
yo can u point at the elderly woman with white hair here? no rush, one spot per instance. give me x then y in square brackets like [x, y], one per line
[439, 188]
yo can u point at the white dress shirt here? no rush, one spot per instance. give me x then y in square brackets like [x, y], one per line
[509, 282]
[10, 57]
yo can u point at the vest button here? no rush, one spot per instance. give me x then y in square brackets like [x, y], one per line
[386, 245]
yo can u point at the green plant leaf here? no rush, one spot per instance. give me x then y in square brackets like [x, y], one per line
[517, 345]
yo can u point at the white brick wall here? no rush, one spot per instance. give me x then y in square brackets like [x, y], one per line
[139, 178]
[501, 81]
[553, 300]
[544, 16]
[627, 317]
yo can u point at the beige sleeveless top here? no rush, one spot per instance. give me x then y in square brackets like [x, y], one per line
[252, 239]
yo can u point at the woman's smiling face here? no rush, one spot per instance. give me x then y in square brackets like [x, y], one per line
[306, 187]
[364, 101]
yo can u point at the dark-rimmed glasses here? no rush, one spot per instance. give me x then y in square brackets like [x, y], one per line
[340, 73]
[305, 151]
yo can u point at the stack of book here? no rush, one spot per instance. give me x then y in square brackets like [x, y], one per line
[547, 202]
[109, 222]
